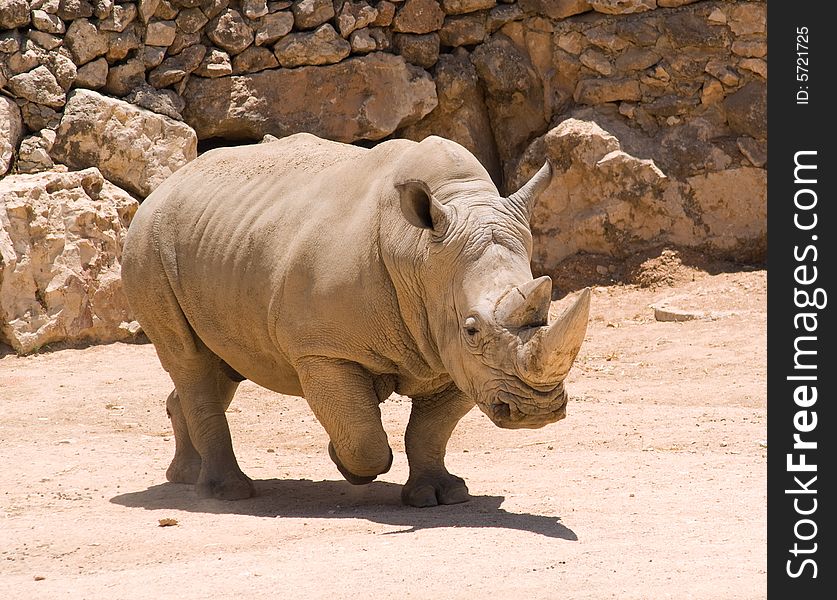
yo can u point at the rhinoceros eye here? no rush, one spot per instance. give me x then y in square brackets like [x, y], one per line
[470, 327]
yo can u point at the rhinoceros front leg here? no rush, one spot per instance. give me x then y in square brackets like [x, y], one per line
[342, 396]
[432, 421]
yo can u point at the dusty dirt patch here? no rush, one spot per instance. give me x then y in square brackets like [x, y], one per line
[654, 486]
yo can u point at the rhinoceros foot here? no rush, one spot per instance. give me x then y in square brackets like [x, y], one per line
[184, 470]
[351, 477]
[434, 489]
[236, 486]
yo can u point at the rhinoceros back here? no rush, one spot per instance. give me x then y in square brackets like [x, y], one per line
[265, 253]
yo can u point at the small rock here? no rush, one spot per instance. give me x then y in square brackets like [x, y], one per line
[229, 31]
[667, 314]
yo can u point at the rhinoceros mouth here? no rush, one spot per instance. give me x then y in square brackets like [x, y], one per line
[513, 411]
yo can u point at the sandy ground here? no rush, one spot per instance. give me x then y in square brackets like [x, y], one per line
[654, 486]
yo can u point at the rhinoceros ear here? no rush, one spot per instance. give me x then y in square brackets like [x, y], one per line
[420, 208]
[524, 198]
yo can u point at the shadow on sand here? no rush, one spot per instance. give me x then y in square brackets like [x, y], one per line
[378, 502]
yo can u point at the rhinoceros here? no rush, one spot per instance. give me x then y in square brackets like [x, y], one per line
[343, 274]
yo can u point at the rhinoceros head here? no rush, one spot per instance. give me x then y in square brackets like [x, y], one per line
[487, 315]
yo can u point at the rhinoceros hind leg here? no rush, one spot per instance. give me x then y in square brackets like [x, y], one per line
[185, 467]
[203, 393]
[432, 421]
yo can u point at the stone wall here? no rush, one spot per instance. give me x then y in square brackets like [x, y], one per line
[676, 88]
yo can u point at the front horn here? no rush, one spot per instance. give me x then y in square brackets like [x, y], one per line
[547, 356]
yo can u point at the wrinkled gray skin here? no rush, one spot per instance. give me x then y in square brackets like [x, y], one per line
[342, 275]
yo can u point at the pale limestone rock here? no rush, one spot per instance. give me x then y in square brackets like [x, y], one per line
[133, 147]
[514, 95]
[746, 18]
[164, 102]
[61, 238]
[33, 154]
[146, 9]
[84, 41]
[604, 200]
[62, 68]
[47, 41]
[733, 209]
[421, 50]
[598, 91]
[14, 13]
[555, 9]
[43, 21]
[459, 7]
[596, 188]
[465, 30]
[122, 16]
[501, 15]
[461, 115]
[39, 86]
[354, 15]
[38, 116]
[160, 33]
[386, 12]
[274, 26]
[121, 43]
[418, 16]
[191, 20]
[309, 14]
[175, 68]
[253, 60]
[216, 63]
[152, 56]
[253, 9]
[125, 77]
[74, 9]
[11, 132]
[229, 31]
[321, 47]
[378, 94]
[362, 41]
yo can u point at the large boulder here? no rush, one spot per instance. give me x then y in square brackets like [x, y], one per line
[604, 200]
[378, 93]
[61, 240]
[133, 147]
